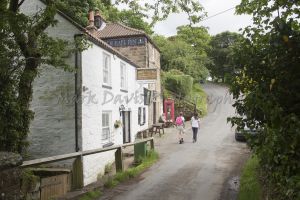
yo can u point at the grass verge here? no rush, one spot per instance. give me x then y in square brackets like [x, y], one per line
[199, 96]
[250, 187]
[146, 162]
[91, 195]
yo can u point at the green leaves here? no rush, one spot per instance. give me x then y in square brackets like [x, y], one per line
[221, 55]
[186, 51]
[178, 82]
[266, 89]
[25, 46]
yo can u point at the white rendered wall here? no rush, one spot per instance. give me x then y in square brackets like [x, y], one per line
[94, 102]
[52, 132]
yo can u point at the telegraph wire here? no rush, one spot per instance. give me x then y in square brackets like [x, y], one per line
[219, 13]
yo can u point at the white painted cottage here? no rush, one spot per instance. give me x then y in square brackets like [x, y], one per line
[77, 110]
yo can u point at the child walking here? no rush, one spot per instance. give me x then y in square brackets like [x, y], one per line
[195, 126]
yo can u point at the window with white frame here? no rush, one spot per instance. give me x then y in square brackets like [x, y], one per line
[106, 126]
[123, 76]
[106, 69]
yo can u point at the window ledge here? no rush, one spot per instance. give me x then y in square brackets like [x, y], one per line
[122, 90]
[108, 144]
[107, 87]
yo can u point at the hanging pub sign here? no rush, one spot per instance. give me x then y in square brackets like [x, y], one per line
[146, 74]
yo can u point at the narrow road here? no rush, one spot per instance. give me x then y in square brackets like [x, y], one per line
[193, 171]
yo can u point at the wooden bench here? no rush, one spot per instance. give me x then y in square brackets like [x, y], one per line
[157, 127]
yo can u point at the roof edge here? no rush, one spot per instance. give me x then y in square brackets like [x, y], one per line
[94, 39]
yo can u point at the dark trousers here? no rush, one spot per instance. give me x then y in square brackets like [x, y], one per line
[195, 131]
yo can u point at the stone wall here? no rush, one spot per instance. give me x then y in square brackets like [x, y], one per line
[10, 173]
[137, 54]
[154, 61]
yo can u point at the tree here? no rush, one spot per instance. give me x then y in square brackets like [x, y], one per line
[177, 54]
[24, 47]
[266, 91]
[138, 14]
[162, 9]
[221, 54]
[197, 37]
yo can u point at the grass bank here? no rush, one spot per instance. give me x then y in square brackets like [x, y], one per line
[146, 162]
[250, 187]
[199, 96]
[120, 177]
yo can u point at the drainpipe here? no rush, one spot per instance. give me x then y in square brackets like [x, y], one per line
[77, 93]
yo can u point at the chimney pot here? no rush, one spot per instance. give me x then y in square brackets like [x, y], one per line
[98, 19]
[91, 27]
[91, 17]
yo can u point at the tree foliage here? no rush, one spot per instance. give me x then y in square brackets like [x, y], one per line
[177, 82]
[139, 14]
[161, 9]
[221, 53]
[78, 10]
[24, 47]
[180, 55]
[267, 90]
[197, 36]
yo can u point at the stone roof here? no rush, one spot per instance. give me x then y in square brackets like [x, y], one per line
[114, 30]
[96, 40]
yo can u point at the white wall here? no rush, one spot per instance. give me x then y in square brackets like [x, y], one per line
[52, 132]
[92, 78]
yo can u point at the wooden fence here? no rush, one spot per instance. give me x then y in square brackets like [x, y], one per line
[77, 171]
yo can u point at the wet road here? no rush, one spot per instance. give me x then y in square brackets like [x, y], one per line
[192, 171]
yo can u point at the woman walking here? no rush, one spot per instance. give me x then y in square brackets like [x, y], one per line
[180, 127]
[195, 126]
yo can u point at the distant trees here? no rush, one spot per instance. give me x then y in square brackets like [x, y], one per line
[186, 51]
[221, 53]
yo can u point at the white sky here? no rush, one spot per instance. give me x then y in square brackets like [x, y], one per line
[224, 22]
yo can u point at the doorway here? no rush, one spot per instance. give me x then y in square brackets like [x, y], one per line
[126, 127]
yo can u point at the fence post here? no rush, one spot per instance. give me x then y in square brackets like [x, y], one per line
[119, 159]
[152, 144]
[77, 173]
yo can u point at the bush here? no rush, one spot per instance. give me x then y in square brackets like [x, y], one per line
[177, 82]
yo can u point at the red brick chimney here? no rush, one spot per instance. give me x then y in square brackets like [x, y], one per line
[91, 27]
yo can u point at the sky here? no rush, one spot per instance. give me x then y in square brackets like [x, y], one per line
[227, 21]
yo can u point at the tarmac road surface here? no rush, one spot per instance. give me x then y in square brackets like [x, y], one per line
[193, 171]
